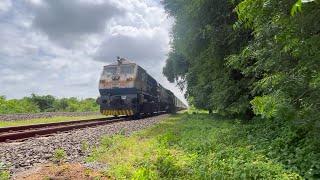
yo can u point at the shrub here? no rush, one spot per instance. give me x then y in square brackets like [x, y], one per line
[17, 106]
[47, 103]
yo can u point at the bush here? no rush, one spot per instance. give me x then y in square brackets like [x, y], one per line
[47, 103]
[17, 106]
[293, 146]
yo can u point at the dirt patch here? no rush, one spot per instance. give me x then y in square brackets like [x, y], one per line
[68, 171]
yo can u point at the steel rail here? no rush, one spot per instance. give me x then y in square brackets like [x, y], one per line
[23, 132]
[42, 125]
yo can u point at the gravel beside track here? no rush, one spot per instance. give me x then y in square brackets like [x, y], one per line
[19, 156]
[24, 116]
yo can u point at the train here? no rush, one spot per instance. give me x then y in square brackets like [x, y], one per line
[127, 89]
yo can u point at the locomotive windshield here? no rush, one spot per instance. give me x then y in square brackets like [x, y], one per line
[110, 70]
[126, 69]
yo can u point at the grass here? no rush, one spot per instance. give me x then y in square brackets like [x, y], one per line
[189, 146]
[59, 155]
[46, 120]
[4, 174]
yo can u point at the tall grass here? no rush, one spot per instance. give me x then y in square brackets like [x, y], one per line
[197, 146]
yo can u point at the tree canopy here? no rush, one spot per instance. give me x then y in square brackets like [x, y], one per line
[239, 57]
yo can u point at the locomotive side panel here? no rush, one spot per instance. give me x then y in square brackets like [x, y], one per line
[149, 99]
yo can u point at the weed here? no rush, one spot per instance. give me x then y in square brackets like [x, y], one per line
[84, 146]
[59, 155]
[4, 174]
[144, 173]
[122, 131]
[47, 178]
[87, 172]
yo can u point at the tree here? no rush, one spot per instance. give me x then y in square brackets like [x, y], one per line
[45, 103]
[203, 37]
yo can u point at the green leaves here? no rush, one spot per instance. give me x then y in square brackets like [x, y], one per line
[273, 106]
[297, 7]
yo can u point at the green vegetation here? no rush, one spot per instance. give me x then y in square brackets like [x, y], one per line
[238, 55]
[59, 155]
[256, 60]
[46, 103]
[46, 120]
[84, 146]
[4, 174]
[203, 146]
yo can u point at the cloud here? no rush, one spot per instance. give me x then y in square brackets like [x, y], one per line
[141, 35]
[5, 5]
[59, 47]
[68, 21]
[144, 46]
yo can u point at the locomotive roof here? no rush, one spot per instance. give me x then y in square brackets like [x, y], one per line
[121, 61]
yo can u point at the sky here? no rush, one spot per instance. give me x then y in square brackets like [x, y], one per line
[59, 47]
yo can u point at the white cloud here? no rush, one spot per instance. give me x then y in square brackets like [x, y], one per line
[145, 46]
[5, 5]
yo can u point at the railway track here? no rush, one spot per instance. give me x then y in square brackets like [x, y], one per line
[8, 134]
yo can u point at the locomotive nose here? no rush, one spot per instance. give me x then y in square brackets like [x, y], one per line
[117, 101]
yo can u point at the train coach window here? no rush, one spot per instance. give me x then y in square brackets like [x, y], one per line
[126, 69]
[110, 70]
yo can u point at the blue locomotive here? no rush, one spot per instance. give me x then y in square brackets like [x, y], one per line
[127, 89]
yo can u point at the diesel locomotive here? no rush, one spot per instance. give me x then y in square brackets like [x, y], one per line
[127, 89]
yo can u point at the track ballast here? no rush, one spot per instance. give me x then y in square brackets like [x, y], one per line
[8, 134]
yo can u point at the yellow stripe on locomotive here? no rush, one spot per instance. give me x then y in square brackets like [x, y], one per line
[127, 112]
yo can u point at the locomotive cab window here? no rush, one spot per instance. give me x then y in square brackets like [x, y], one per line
[110, 70]
[126, 69]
